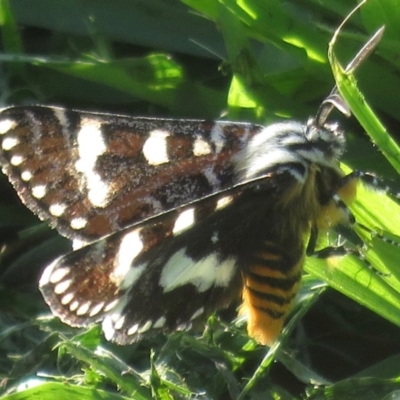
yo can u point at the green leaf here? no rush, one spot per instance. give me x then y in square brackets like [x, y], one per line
[63, 391]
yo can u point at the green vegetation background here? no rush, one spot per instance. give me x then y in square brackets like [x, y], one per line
[243, 60]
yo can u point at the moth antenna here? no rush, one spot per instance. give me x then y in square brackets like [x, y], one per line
[334, 100]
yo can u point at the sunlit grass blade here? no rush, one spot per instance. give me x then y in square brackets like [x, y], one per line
[347, 86]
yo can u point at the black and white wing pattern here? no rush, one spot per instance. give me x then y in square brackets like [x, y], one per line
[93, 174]
[175, 218]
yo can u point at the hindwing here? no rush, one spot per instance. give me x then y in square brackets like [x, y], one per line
[170, 271]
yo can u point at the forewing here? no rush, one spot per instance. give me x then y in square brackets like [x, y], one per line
[94, 174]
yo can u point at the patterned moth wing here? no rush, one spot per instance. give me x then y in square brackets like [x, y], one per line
[181, 216]
[93, 174]
[174, 269]
[159, 274]
[177, 217]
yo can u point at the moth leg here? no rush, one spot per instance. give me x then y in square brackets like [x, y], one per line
[334, 212]
[345, 193]
[373, 183]
[312, 241]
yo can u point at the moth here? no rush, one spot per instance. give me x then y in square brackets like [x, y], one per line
[173, 219]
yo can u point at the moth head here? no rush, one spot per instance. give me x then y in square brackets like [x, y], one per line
[328, 137]
[291, 146]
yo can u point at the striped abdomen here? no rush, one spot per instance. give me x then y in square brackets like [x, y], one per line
[270, 285]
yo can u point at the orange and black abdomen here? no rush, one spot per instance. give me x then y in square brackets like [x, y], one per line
[270, 284]
[276, 254]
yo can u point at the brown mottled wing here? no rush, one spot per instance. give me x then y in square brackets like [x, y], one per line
[94, 174]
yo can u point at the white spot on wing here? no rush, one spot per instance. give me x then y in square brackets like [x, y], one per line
[119, 323]
[78, 244]
[145, 327]
[133, 329]
[110, 305]
[90, 146]
[26, 175]
[46, 276]
[9, 142]
[78, 223]
[155, 149]
[160, 322]
[108, 328]
[197, 313]
[201, 147]
[62, 286]
[117, 306]
[124, 273]
[17, 160]
[67, 298]
[57, 209]
[84, 308]
[59, 274]
[181, 270]
[39, 191]
[184, 221]
[96, 309]
[6, 125]
[74, 305]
